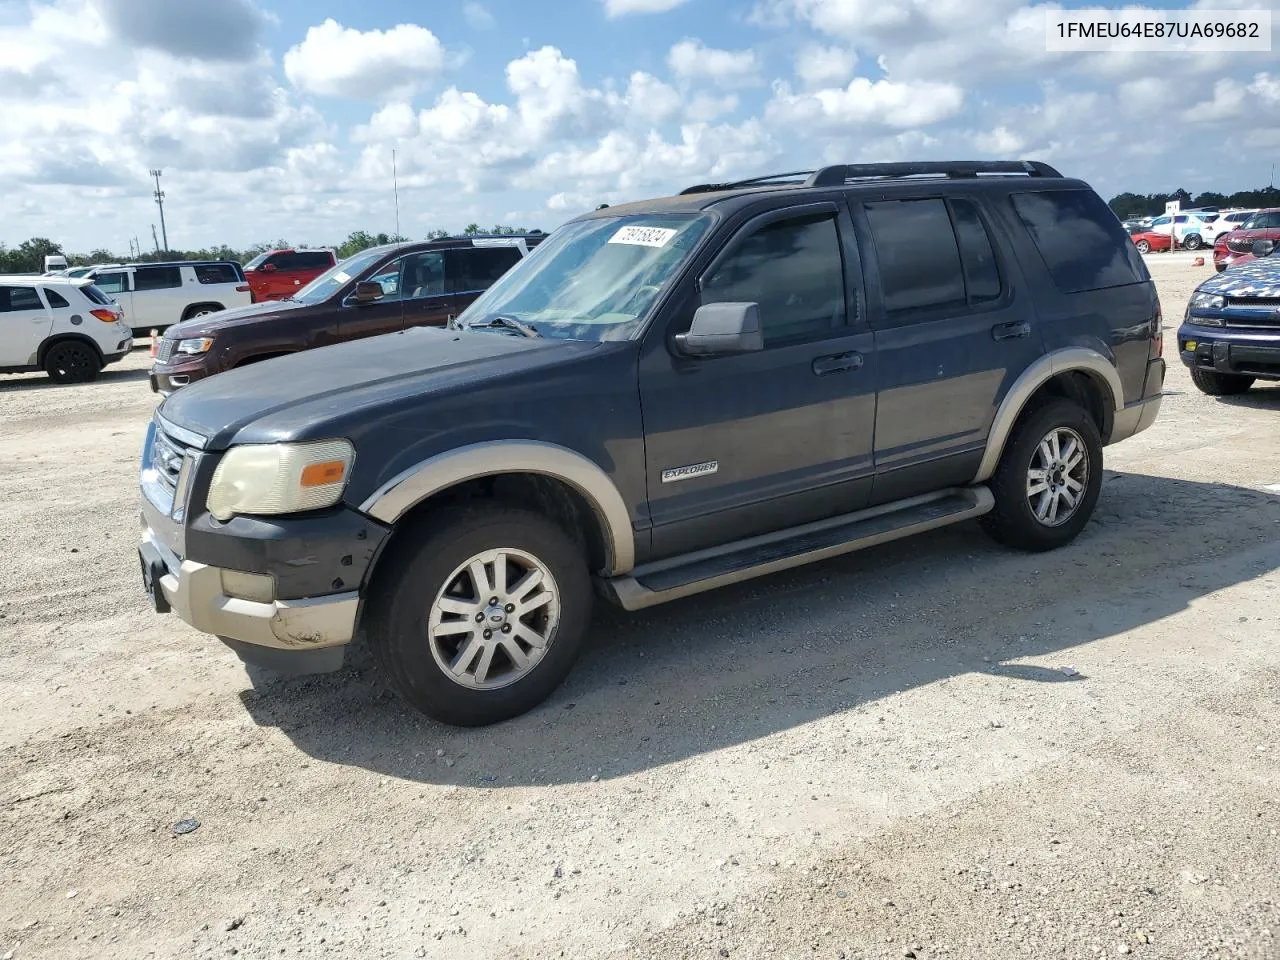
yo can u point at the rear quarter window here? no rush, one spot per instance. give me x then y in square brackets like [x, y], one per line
[217, 273]
[1081, 241]
[55, 298]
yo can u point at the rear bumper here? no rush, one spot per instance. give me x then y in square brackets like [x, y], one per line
[1136, 417]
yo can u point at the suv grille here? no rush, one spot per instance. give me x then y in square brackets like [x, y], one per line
[163, 463]
[165, 350]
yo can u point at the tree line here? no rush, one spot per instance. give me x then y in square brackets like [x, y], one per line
[1127, 205]
[28, 256]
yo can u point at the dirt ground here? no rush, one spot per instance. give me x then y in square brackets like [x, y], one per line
[937, 748]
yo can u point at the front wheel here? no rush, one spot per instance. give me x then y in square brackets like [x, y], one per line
[480, 617]
[1048, 480]
[1192, 241]
[1220, 384]
[1144, 246]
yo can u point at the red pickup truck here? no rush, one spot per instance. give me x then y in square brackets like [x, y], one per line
[279, 274]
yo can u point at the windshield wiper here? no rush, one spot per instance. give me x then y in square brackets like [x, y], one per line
[511, 323]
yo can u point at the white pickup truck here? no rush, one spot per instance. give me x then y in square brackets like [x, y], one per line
[154, 296]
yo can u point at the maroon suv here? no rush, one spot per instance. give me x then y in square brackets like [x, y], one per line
[1236, 246]
[380, 290]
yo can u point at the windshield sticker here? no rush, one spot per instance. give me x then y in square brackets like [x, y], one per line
[644, 236]
[341, 276]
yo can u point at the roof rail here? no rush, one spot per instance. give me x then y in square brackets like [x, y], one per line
[840, 174]
[750, 182]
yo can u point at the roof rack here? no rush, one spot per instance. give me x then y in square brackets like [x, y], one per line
[843, 173]
[782, 178]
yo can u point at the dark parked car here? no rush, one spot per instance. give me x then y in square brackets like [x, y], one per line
[1230, 335]
[380, 290]
[667, 397]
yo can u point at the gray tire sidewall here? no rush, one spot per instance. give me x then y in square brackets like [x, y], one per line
[1013, 520]
[412, 576]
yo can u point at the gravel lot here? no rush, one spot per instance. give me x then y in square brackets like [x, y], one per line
[937, 748]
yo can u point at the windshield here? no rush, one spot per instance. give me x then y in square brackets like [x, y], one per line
[338, 276]
[592, 279]
[257, 261]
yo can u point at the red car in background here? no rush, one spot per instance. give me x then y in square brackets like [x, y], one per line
[1147, 241]
[279, 274]
[1237, 246]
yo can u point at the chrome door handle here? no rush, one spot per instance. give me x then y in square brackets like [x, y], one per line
[1011, 331]
[837, 363]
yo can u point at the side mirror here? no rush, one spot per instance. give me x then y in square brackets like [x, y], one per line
[268, 268]
[1263, 248]
[723, 328]
[365, 293]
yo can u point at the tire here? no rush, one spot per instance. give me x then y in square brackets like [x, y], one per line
[1192, 241]
[1220, 384]
[72, 361]
[1014, 521]
[1144, 246]
[201, 310]
[423, 609]
[1219, 267]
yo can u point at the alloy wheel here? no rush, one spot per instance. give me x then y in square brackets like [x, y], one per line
[1058, 476]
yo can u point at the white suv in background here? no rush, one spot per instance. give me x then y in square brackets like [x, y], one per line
[64, 326]
[158, 295]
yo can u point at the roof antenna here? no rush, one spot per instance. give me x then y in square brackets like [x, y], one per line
[603, 206]
[395, 185]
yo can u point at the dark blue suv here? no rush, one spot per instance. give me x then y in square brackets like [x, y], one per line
[1230, 335]
[662, 398]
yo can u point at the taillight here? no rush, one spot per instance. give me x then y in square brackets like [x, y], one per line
[105, 315]
[1157, 334]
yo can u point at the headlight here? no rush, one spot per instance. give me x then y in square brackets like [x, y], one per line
[1210, 301]
[271, 478]
[199, 345]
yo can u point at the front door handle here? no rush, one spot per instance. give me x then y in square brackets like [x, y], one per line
[837, 363]
[1018, 330]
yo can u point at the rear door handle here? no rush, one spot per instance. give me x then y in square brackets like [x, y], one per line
[837, 363]
[1011, 331]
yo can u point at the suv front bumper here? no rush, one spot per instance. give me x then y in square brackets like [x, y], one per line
[1245, 353]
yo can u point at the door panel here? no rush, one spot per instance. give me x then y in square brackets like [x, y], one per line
[951, 336]
[24, 323]
[744, 444]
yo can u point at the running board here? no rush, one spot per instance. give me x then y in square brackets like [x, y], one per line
[692, 573]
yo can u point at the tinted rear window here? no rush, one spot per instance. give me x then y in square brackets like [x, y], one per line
[94, 294]
[217, 273]
[917, 252]
[157, 278]
[1080, 239]
[55, 298]
[477, 268]
[310, 261]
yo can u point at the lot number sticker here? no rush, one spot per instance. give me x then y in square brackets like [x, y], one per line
[644, 236]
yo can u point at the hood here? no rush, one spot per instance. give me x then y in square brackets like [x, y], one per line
[1255, 278]
[211, 323]
[308, 395]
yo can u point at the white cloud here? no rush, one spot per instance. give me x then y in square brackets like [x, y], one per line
[881, 103]
[706, 107]
[337, 61]
[477, 16]
[819, 66]
[621, 8]
[651, 99]
[1001, 142]
[690, 60]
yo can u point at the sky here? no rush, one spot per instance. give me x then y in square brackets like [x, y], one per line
[277, 119]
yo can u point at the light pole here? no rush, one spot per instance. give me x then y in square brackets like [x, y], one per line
[160, 203]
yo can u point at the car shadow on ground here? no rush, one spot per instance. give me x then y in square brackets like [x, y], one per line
[744, 662]
[1263, 396]
[17, 383]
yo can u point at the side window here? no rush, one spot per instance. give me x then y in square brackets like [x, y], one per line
[422, 274]
[311, 261]
[13, 299]
[1080, 239]
[280, 261]
[55, 298]
[478, 268]
[216, 273]
[977, 254]
[112, 283]
[157, 278]
[794, 271]
[918, 255]
[1268, 221]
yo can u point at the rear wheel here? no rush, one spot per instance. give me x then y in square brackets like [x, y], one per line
[482, 617]
[201, 310]
[1144, 246]
[1220, 384]
[72, 362]
[1048, 480]
[1192, 241]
